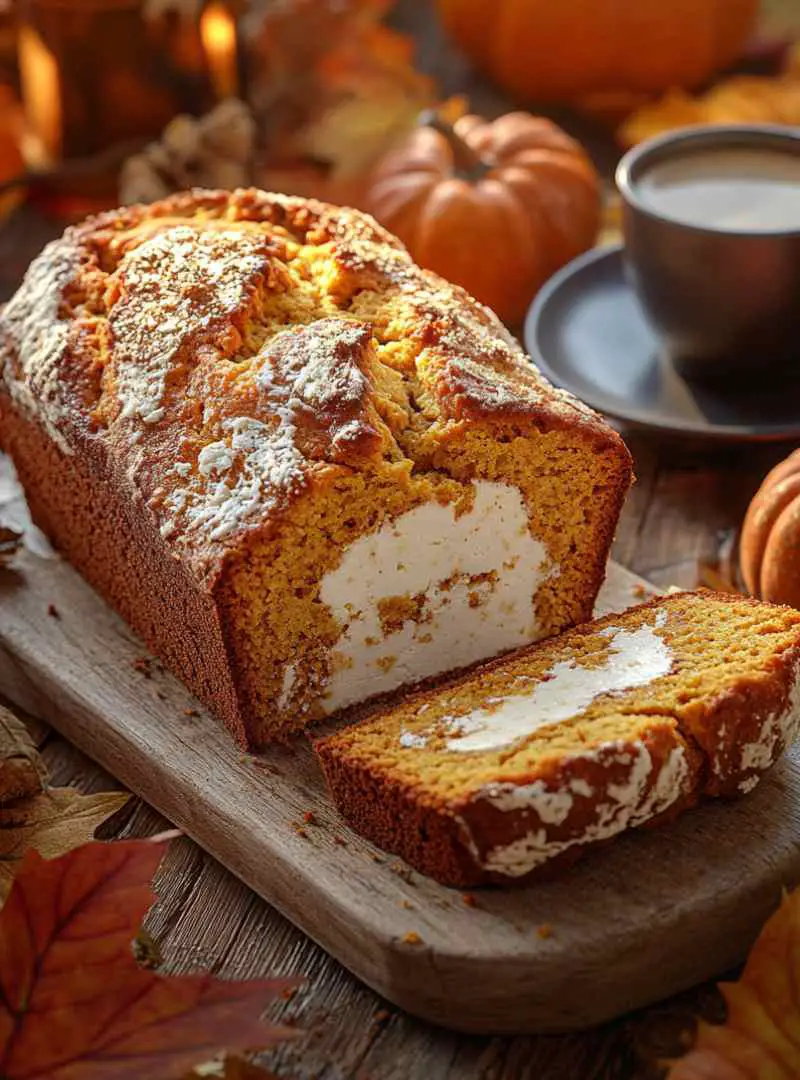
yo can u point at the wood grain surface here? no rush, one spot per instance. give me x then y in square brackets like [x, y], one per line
[645, 917]
[677, 528]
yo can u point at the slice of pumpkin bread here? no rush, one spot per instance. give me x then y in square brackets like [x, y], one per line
[535, 756]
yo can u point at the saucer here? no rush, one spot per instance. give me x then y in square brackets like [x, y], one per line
[587, 333]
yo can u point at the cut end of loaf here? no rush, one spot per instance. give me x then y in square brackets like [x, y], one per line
[384, 580]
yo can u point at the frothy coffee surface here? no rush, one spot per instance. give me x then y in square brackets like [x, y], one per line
[751, 190]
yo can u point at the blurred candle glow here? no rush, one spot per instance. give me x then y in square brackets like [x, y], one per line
[41, 94]
[218, 34]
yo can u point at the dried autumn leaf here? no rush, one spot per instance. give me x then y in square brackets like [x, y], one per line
[743, 99]
[10, 543]
[74, 1005]
[374, 96]
[354, 133]
[53, 822]
[22, 771]
[332, 85]
[760, 1040]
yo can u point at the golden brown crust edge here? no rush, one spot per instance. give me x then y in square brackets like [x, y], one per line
[109, 539]
[454, 844]
[741, 736]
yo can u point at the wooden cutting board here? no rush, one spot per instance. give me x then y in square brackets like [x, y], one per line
[647, 916]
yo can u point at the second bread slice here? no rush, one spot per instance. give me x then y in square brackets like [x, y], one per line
[532, 757]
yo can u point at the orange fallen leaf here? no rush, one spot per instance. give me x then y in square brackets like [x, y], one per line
[74, 1005]
[760, 1039]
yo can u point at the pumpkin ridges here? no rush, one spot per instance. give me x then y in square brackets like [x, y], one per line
[425, 153]
[787, 467]
[762, 515]
[400, 192]
[472, 128]
[780, 568]
[548, 183]
[403, 209]
[578, 215]
[562, 241]
[512, 133]
[490, 221]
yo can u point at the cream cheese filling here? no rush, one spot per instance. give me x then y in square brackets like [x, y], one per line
[471, 580]
[635, 658]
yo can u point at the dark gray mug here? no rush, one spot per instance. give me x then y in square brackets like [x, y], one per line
[725, 300]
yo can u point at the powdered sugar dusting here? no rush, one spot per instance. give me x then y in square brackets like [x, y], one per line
[255, 462]
[483, 362]
[261, 458]
[33, 338]
[176, 287]
[313, 368]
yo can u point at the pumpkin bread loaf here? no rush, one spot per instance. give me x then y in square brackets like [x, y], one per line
[306, 471]
[533, 757]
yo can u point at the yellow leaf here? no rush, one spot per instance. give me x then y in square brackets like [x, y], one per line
[53, 822]
[742, 99]
[354, 133]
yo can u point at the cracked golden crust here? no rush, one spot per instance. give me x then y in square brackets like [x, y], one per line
[228, 350]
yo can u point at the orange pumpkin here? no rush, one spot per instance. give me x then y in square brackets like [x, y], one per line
[565, 50]
[495, 207]
[770, 544]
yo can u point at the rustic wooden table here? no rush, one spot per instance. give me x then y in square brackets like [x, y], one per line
[677, 528]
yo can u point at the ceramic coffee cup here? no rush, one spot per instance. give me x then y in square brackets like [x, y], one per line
[711, 220]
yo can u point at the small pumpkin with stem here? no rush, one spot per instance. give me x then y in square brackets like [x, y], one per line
[769, 551]
[494, 206]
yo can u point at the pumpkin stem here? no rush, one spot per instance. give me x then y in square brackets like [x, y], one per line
[468, 164]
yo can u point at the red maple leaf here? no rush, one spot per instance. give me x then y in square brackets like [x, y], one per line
[75, 1005]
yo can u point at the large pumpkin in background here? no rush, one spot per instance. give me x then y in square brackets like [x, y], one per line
[495, 207]
[769, 551]
[566, 50]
